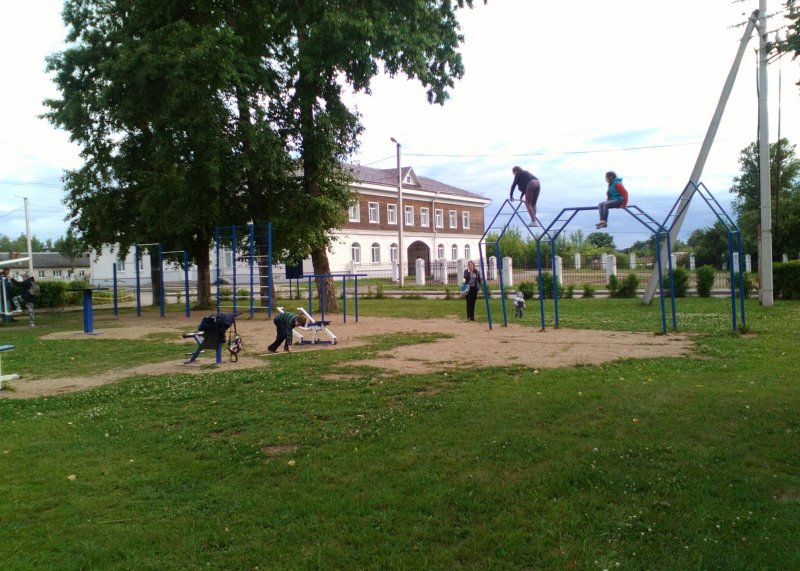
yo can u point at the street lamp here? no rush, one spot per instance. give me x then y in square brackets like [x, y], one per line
[401, 215]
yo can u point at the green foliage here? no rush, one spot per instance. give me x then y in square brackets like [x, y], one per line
[570, 293]
[710, 245]
[588, 290]
[601, 240]
[547, 286]
[55, 294]
[705, 276]
[786, 280]
[623, 288]
[680, 280]
[749, 284]
[528, 289]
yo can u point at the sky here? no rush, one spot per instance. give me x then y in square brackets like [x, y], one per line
[567, 91]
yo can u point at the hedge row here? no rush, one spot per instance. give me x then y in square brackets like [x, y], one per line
[786, 280]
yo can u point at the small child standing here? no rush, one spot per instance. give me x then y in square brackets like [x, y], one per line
[519, 303]
[284, 323]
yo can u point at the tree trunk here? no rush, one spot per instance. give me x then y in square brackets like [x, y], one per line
[202, 259]
[156, 279]
[325, 286]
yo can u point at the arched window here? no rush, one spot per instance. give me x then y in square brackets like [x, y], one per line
[393, 253]
[376, 253]
[355, 252]
[453, 252]
[440, 251]
[467, 252]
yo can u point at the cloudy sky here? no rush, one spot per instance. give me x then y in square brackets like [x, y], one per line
[567, 90]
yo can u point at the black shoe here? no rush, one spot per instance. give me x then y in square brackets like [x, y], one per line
[270, 349]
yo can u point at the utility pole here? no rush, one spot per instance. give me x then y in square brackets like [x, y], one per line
[27, 234]
[401, 216]
[765, 242]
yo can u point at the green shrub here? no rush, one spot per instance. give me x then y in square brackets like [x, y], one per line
[588, 290]
[613, 286]
[528, 289]
[680, 280]
[786, 280]
[625, 288]
[749, 284]
[55, 294]
[547, 286]
[570, 291]
[379, 293]
[705, 280]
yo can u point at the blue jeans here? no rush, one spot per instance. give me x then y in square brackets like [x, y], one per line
[605, 206]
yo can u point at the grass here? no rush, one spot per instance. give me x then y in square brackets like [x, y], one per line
[637, 464]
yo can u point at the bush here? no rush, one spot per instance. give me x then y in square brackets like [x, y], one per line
[705, 280]
[547, 286]
[625, 288]
[588, 290]
[528, 289]
[786, 280]
[749, 284]
[570, 291]
[680, 281]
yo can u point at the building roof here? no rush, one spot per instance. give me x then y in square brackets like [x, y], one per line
[43, 260]
[388, 177]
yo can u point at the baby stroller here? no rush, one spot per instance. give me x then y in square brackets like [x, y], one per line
[210, 334]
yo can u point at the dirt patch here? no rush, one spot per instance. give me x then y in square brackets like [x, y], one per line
[471, 344]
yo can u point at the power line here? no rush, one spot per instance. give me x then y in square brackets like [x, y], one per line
[35, 184]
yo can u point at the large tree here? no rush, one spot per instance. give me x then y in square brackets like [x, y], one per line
[197, 113]
[785, 185]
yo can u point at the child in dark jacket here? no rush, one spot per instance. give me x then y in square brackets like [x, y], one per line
[284, 323]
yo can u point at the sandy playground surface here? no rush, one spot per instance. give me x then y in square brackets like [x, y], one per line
[471, 344]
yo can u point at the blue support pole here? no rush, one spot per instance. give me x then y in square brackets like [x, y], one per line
[741, 275]
[485, 287]
[269, 269]
[216, 251]
[502, 285]
[661, 285]
[541, 287]
[355, 287]
[310, 297]
[252, 254]
[671, 284]
[732, 281]
[114, 287]
[555, 281]
[234, 243]
[186, 282]
[161, 279]
[138, 283]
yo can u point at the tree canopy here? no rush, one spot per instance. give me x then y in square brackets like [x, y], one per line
[197, 113]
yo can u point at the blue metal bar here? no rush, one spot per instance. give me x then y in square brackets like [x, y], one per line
[661, 286]
[344, 300]
[356, 296]
[310, 297]
[741, 275]
[114, 286]
[541, 287]
[555, 281]
[251, 254]
[186, 282]
[138, 284]
[671, 282]
[502, 284]
[234, 244]
[732, 280]
[161, 279]
[219, 270]
[485, 285]
[269, 269]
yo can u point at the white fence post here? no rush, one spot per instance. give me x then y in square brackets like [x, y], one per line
[747, 263]
[577, 261]
[691, 262]
[492, 268]
[633, 261]
[610, 264]
[508, 271]
[557, 270]
[420, 264]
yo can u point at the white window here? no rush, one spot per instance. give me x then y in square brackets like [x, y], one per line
[81, 273]
[440, 251]
[465, 220]
[439, 218]
[453, 252]
[393, 252]
[40, 274]
[376, 253]
[409, 215]
[467, 252]
[355, 252]
[354, 214]
[227, 258]
[120, 265]
[453, 219]
[424, 217]
[391, 213]
[374, 214]
[56, 273]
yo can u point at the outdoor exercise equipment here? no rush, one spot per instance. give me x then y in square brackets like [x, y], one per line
[344, 293]
[255, 237]
[735, 258]
[314, 327]
[3, 349]
[506, 215]
[551, 233]
[210, 334]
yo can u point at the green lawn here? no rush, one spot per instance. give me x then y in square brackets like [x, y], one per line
[665, 463]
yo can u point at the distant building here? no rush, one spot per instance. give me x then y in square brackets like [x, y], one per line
[48, 266]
